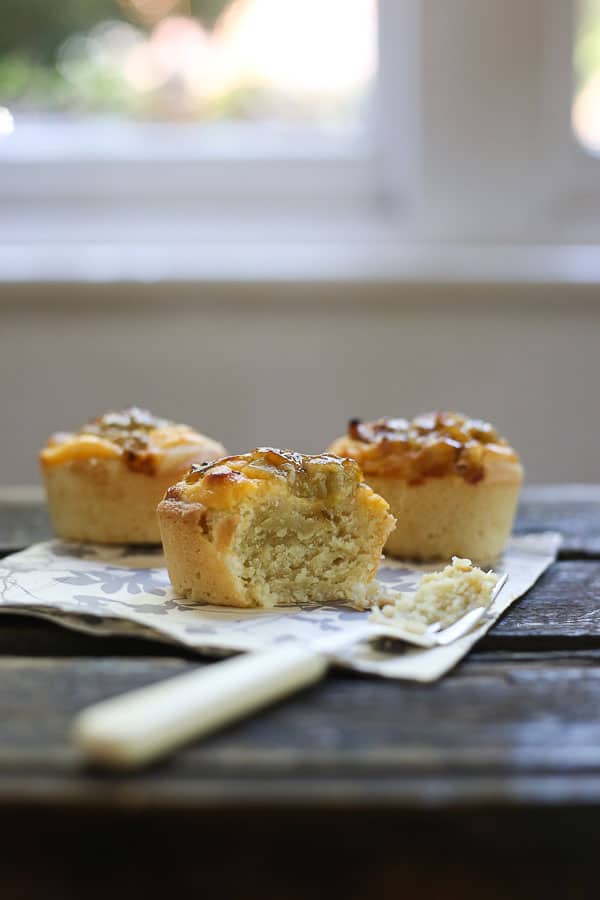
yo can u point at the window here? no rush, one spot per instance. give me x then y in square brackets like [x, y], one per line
[568, 177]
[92, 76]
[387, 120]
[219, 101]
[586, 99]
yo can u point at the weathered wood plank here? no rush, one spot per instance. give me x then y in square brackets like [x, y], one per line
[22, 523]
[31, 636]
[513, 732]
[574, 510]
[562, 608]
[514, 728]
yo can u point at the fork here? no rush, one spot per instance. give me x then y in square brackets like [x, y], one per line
[435, 635]
[141, 726]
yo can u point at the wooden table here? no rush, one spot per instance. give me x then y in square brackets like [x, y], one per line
[486, 784]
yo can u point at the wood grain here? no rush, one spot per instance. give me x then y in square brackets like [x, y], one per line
[574, 510]
[562, 609]
[513, 731]
[498, 731]
[31, 636]
[22, 523]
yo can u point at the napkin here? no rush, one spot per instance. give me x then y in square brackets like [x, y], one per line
[125, 590]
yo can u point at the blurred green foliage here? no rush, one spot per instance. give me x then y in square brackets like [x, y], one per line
[587, 43]
[37, 28]
[33, 31]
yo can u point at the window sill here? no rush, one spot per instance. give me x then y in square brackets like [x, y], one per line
[359, 259]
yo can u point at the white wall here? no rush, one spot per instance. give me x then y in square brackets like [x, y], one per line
[288, 365]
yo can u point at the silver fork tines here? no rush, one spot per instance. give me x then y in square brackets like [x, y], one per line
[432, 637]
[463, 625]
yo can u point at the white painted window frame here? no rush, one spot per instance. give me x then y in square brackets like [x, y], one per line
[573, 172]
[501, 167]
[273, 172]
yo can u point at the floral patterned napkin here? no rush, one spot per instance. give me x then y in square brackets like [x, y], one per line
[126, 591]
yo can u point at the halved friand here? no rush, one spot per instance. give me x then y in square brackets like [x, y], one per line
[271, 527]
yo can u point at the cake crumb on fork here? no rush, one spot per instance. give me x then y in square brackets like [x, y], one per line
[441, 597]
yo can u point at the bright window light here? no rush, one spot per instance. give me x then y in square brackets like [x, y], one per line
[586, 100]
[282, 63]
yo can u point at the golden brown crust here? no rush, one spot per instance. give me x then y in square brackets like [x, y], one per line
[192, 557]
[225, 483]
[432, 445]
[104, 482]
[142, 442]
[133, 431]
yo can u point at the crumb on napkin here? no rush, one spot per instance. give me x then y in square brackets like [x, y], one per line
[441, 597]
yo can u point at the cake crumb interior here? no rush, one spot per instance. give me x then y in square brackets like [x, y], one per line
[299, 551]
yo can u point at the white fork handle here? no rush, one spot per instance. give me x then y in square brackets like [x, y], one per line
[141, 726]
